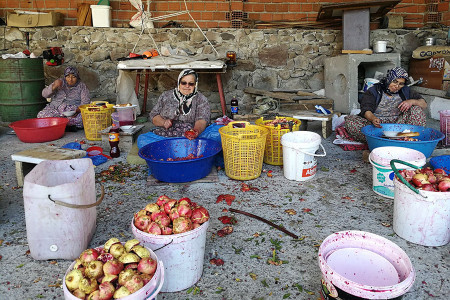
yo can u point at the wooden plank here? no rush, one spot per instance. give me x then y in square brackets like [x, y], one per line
[45, 152]
[281, 95]
[368, 51]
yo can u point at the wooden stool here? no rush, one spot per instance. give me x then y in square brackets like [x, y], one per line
[126, 140]
[307, 115]
[26, 160]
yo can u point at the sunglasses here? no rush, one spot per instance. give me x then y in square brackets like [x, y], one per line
[188, 83]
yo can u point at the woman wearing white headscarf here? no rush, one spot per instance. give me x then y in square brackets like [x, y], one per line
[183, 111]
[389, 101]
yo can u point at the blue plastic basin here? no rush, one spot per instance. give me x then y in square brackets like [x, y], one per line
[427, 140]
[441, 162]
[157, 153]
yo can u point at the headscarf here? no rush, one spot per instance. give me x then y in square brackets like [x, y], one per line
[71, 70]
[185, 101]
[391, 75]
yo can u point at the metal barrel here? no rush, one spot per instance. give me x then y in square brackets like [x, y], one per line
[21, 84]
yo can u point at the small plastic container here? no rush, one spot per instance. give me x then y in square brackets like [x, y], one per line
[444, 116]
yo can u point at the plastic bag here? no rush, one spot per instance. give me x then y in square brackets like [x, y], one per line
[125, 90]
[60, 208]
[141, 18]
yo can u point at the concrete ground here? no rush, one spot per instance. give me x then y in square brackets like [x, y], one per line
[338, 198]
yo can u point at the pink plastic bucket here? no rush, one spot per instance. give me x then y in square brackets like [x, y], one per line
[182, 255]
[148, 291]
[352, 261]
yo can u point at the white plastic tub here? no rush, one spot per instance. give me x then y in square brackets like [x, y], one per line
[101, 15]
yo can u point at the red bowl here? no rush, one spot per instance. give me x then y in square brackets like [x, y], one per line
[39, 130]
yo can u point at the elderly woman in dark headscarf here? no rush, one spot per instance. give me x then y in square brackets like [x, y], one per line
[67, 94]
[183, 111]
[389, 101]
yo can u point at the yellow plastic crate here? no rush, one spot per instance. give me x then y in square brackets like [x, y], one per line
[273, 153]
[96, 118]
[243, 149]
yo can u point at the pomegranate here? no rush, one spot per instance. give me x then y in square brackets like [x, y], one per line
[95, 295]
[134, 284]
[106, 290]
[112, 267]
[162, 200]
[444, 185]
[152, 207]
[79, 294]
[73, 279]
[200, 215]
[147, 266]
[166, 230]
[88, 285]
[173, 214]
[184, 210]
[185, 201]
[157, 214]
[94, 269]
[88, 255]
[428, 187]
[181, 224]
[154, 229]
[169, 204]
[420, 179]
[142, 222]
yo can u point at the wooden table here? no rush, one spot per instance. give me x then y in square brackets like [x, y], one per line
[26, 160]
[169, 64]
[307, 115]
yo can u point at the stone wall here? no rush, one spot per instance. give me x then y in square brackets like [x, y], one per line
[268, 59]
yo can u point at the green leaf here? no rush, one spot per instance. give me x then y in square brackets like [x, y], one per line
[285, 296]
[237, 250]
[324, 169]
[264, 283]
[20, 266]
[219, 290]
[255, 256]
[299, 287]
[189, 290]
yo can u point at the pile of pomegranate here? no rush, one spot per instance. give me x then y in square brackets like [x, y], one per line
[284, 123]
[115, 271]
[428, 179]
[169, 216]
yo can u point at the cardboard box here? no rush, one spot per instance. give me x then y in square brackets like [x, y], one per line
[34, 19]
[435, 71]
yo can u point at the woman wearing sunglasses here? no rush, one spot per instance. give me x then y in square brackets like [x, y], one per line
[389, 101]
[183, 111]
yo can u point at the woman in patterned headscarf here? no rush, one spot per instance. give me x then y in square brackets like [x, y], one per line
[67, 94]
[183, 111]
[389, 101]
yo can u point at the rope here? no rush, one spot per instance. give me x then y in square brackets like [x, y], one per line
[145, 18]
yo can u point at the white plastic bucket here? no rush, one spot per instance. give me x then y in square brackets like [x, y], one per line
[382, 173]
[60, 208]
[148, 291]
[422, 218]
[101, 15]
[368, 82]
[182, 255]
[299, 158]
[352, 261]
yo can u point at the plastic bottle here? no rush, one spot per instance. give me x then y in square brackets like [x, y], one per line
[114, 142]
[234, 107]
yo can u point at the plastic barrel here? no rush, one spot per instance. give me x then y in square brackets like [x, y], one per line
[21, 85]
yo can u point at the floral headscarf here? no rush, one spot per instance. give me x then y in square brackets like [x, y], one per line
[391, 75]
[185, 100]
[71, 70]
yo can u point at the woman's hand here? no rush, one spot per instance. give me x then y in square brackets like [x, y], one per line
[167, 124]
[191, 134]
[376, 122]
[57, 84]
[405, 105]
[373, 119]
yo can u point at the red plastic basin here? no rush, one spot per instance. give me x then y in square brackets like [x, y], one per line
[39, 130]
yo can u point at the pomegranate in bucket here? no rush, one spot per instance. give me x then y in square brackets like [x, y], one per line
[116, 270]
[176, 229]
